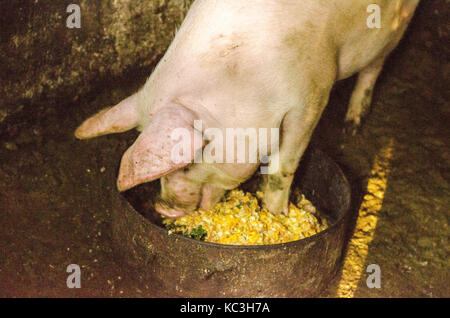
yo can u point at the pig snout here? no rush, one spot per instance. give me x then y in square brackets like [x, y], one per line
[178, 196]
[167, 211]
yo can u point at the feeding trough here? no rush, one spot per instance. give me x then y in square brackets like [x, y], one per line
[177, 266]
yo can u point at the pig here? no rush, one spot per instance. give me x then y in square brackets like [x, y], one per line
[248, 64]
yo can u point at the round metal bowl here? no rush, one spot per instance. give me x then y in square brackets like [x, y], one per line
[177, 266]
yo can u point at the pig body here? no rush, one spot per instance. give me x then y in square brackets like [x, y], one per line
[249, 64]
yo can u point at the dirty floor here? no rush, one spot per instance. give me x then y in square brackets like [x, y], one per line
[54, 189]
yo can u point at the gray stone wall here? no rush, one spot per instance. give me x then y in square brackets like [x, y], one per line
[42, 58]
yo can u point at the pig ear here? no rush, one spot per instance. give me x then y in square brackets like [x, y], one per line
[119, 118]
[156, 152]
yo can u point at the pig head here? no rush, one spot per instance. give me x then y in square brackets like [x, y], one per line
[248, 64]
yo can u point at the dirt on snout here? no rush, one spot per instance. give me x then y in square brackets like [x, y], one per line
[55, 209]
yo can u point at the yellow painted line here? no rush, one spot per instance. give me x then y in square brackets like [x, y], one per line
[366, 223]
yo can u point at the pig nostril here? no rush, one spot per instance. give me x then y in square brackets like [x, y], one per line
[169, 212]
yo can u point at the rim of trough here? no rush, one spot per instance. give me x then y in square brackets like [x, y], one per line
[263, 246]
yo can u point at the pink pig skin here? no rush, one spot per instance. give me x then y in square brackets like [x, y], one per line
[249, 64]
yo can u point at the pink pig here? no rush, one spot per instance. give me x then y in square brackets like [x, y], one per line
[248, 64]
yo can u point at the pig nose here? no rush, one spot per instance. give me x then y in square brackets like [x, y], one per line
[169, 212]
